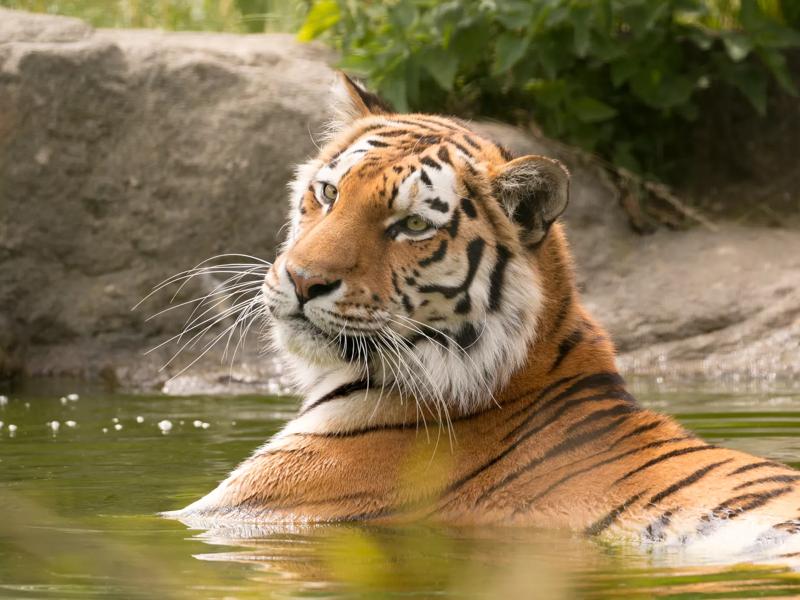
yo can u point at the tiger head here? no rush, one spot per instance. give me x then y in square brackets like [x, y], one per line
[411, 259]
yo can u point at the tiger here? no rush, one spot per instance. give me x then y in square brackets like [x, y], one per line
[425, 303]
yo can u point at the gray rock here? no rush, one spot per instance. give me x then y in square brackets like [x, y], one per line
[127, 156]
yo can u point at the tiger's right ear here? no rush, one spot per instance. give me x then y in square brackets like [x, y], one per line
[534, 191]
[351, 101]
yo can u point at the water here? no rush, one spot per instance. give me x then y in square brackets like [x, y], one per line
[77, 513]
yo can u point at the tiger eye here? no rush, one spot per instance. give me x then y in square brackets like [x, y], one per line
[416, 224]
[330, 192]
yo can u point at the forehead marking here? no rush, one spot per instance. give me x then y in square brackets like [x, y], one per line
[429, 162]
[437, 205]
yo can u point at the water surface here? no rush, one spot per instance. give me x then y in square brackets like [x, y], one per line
[77, 512]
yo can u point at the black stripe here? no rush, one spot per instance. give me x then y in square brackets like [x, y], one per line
[604, 523]
[424, 177]
[687, 481]
[772, 479]
[468, 207]
[566, 346]
[604, 462]
[428, 161]
[437, 204]
[452, 227]
[393, 195]
[757, 465]
[470, 141]
[437, 255]
[588, 382]
[462, 148]
[564, 445]
[614, 411]
[634, 432]
[421, 125]
[563, 311]
[444, 155]
[474, 253]
[393, 132]
[655, 530]
[569, 405]
[341, 391]
[542, 393]
[729, 509]
[497, 276]
[466, 336]
[377, 143]
[662, 458]
[504, 152]
[494, 460]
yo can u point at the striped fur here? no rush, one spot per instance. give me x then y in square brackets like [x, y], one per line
[507, 407]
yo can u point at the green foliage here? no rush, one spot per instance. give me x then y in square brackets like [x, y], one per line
[241, 16]
[622, 78]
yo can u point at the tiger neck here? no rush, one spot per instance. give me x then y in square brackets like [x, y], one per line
[568, 341]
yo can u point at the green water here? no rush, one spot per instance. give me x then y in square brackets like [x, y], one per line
[77, 513]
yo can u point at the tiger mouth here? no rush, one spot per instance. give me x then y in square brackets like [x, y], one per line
[351, 348]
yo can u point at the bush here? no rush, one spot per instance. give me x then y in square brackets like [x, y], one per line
[621, 78]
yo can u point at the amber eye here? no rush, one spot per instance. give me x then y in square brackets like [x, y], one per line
[416, 224]
[329, 192]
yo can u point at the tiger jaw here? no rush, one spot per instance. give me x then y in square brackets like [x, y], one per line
[459, 359]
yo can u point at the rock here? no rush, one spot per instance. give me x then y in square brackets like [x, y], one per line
[127, 156]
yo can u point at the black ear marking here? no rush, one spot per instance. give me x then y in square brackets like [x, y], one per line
[534, 191]
[373, 102]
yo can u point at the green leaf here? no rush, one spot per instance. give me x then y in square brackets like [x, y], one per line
[737, 45]
[403, 14]
[323, 16]
[591, 110]
[508, 50]
[442, 66]
[581, 23]
[752, 83]
[514, 14]
[393, 88]
[776, 63]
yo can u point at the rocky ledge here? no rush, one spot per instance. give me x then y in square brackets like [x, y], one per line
[127, 156]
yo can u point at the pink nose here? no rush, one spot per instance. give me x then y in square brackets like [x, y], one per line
[308, 287]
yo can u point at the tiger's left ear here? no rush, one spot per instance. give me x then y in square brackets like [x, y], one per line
[534, 191]
[351, 101]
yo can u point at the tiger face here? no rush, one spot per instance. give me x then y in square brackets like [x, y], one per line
[411, 261]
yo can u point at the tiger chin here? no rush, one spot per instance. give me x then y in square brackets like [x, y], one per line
[425, 303]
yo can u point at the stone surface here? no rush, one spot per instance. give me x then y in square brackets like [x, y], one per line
[127, 156]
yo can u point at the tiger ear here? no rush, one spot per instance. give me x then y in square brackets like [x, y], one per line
[351, 101]
[534, 191]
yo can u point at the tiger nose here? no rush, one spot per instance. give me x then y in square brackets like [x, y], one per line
[308, 287]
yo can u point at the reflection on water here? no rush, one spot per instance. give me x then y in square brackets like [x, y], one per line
[78, 505]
